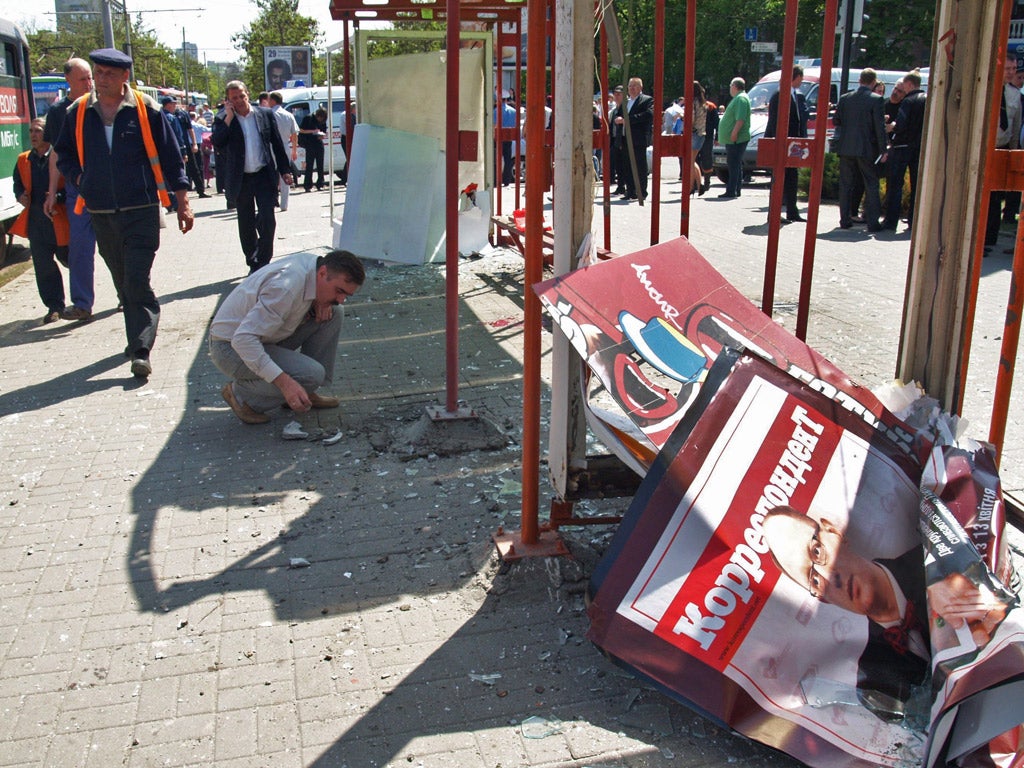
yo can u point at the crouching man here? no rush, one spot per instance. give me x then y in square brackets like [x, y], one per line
[276, 334]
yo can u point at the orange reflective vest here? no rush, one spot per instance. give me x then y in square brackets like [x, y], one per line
[61, 226]
[147, 139]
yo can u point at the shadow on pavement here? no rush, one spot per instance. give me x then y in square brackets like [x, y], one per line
[396, 535]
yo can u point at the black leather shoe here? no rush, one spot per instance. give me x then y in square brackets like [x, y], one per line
[795, 217]
[846, 225]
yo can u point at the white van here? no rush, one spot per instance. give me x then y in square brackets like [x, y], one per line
[304, 101]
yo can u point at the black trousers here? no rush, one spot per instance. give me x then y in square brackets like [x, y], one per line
[616, 157]
[256, 222]
[852, 168]
[638, 185]
[789, 185]
[314, 157]
[193, 167]
[127, 242]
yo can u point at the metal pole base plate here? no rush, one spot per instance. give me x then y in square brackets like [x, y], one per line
[440, 413]
[511, 546]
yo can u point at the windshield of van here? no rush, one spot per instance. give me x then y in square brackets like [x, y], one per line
[762, 93]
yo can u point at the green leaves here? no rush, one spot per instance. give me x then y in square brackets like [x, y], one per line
[897, 35]
[278, 23]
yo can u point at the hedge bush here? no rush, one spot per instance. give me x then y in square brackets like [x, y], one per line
[830, 182]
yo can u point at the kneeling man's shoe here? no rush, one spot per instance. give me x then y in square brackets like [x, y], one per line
[323, 401]
[242, 410]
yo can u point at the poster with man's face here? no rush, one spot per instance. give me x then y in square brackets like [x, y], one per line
[285, 66]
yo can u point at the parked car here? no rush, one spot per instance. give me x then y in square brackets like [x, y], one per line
[304, 101]
[761, 93]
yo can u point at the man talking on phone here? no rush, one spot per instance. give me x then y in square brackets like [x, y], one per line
[255, 162]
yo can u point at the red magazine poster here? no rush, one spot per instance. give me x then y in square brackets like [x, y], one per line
[651, 323]
[748, 575]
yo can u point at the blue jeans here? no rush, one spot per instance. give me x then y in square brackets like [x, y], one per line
[81, 253]
[734, 161]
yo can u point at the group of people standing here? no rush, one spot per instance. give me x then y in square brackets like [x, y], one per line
[868, 142]
[631, 128]
[101, 171]
[873, 138]
[1005, 206]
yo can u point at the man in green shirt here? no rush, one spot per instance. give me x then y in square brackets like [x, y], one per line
[734, 133]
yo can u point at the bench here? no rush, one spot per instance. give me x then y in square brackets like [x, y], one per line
[508, 234]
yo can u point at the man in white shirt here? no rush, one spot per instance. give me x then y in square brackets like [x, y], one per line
[276, 334]
[289, 129]
[255, 161]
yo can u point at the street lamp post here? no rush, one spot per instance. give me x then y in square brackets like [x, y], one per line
[184, 60]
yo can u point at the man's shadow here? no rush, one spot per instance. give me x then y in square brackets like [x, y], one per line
[391, 531]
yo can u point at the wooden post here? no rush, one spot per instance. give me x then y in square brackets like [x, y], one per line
[573, 214]
[948, 215]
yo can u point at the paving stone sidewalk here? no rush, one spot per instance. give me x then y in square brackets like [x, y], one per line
[156, 606]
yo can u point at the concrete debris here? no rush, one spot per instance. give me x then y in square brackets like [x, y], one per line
[293, 431]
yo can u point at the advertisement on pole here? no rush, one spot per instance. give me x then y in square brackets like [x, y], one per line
[287, 66]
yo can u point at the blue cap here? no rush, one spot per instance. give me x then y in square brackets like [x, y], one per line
[166, 100]
[111, 57]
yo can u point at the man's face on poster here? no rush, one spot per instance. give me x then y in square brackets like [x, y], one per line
[814, 556]
[277, 75]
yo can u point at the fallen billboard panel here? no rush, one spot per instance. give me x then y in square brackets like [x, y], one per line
[798, 564]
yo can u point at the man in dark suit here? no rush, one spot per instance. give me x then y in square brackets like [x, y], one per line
[904, 150]
[860, 144]
[256, 161]
[640, 109]
[617, 146]
[798, 115]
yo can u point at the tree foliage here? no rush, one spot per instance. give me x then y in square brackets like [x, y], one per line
[897, 35]
[279, 23]
[155, 63]
[380, 48]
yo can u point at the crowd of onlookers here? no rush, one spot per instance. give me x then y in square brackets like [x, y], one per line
[875, 137]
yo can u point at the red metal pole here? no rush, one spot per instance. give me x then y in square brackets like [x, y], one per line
[519, 103]
[499, 121]
[350, 119]
[451, 216]
[535, 161]
[689, 76]
[779, 164]
[659, 76]
[828, 45]
[996, 90]
[1008, 349]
